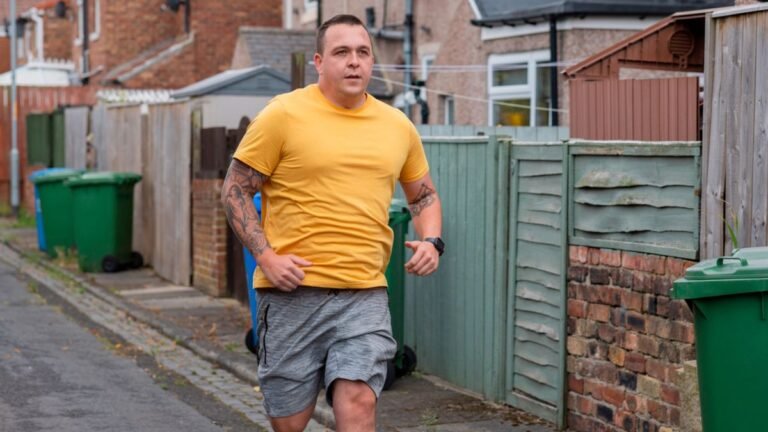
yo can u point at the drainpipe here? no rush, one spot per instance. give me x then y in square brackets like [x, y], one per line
[319, 13]
[408, 52]
[86, 43]
[14, 118]
[553, 69]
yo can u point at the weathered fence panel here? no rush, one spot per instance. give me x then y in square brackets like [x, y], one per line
[540, 134]
[76, 136]
[536, 294]
[735, 132]
[169, 129]
[635, 196]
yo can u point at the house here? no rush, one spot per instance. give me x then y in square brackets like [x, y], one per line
[495, 62]
[141, 43]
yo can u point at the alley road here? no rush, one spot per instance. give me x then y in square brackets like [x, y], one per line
[58, 375]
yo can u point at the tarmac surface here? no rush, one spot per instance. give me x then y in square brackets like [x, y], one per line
[201, 337]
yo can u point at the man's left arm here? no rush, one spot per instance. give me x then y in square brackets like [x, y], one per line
[427, 215]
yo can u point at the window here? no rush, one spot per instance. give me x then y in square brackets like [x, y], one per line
[94, 21]
[519, 90]
[310, 4]
[426, 63]
[447, 103]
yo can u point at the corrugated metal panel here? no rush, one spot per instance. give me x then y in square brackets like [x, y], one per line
[639, 197]
[636, 110]
[536, 288]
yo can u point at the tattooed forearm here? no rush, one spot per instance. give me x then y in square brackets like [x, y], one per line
[425, 198]
[241, 183]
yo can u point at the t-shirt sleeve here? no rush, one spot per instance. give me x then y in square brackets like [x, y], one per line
[263, 141]
[416, 165]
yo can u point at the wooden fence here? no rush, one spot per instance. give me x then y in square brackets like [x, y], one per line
[735, 173]
[155, 144]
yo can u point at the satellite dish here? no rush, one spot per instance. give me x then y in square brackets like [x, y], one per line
[60, 10]
[173, 4]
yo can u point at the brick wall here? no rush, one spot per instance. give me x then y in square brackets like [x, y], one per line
[626, 339]
[209, 237]
[58, 38]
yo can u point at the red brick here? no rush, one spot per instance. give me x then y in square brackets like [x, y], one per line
[631, 341]
[658, 411]
[613, 395]
[594, 256]
[601, 313]
[631, 261]
[683, 332]
[616, 355]
[632, 300]
[679, 310]
[670, 394]
[575, 384]
[635, 362]
[658, 369]
[577, 308]
[610, 258]
[609, 295]
[676, 267]
[636, 322]
[654, 264]
[660, 327]
[577, 346]
[606, 332]
[648, 345]
[674, 416]
[636, 403]
[578, 254]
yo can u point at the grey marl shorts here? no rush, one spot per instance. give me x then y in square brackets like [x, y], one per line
[312, 336]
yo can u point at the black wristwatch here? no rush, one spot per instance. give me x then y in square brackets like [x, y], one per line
[438, 243]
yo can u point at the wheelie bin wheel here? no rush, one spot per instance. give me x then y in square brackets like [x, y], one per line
[391, 374]
[408, 362]
[137, 261]
[110, 264]
[251, 343]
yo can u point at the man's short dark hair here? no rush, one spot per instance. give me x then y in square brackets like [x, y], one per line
[338, 19]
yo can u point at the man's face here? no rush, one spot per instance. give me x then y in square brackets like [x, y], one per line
[345, 65]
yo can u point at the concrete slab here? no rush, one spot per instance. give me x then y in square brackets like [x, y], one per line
[170, 289]
[189, 302]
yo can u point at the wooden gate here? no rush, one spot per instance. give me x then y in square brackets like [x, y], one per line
[217, 145]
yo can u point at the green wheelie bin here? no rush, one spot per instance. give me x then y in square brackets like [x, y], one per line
[405, 359]
[729, 299]
[56, 209]
[103, 213]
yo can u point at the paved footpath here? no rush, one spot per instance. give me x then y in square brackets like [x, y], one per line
[201, 338]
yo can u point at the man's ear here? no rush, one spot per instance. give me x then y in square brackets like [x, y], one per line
[318, 60]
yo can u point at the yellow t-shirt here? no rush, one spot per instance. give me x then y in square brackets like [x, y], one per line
[332, 174]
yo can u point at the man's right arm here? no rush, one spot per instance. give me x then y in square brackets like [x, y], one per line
[240, 185]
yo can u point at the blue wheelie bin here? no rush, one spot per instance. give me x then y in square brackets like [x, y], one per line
[252, 336]
[38, 209]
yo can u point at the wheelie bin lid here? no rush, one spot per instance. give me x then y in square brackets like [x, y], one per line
[745, 271]
[398, 209]
[105, 177]
[50, 175]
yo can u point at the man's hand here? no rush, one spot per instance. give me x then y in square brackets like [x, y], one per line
[425, 258]
[283, 271]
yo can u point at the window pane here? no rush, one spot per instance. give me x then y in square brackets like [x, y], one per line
[510, 74]
[517, 115]
[543, 96]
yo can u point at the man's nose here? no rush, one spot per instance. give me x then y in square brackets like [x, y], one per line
[354, 59]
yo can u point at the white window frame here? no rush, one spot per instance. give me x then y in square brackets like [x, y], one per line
[94, 35]
[522, 91]
[449, 116]
[426, 60]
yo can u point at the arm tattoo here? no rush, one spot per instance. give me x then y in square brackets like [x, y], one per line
[424, 199]
[241, 183]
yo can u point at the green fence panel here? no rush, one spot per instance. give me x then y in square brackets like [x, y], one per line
[536, 285]
[39, 139]
[641, 197]
[58, 139]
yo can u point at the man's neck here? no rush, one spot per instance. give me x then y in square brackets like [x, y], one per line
[343, 102]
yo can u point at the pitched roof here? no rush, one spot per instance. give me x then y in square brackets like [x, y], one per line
[506, 12]
[253, 81]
